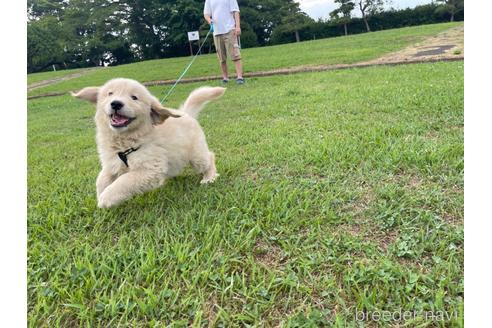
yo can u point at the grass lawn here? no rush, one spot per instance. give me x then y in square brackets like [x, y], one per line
[339, 191]
[341, 50]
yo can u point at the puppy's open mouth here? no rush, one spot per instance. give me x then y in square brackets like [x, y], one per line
[119, 121]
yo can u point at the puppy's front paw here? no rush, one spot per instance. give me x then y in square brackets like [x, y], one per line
[209, 179]
[105, 201]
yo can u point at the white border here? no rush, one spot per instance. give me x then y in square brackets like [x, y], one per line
[478, 168]
[478, 160]
[13, 161]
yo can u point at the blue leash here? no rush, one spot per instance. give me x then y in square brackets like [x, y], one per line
[189, 65]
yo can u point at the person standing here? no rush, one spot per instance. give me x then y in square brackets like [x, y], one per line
[223, 16]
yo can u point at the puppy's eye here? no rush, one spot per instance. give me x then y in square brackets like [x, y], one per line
[134, 98]
[110, 94]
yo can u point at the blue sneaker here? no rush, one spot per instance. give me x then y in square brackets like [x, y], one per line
[240, 81]
[225, 81]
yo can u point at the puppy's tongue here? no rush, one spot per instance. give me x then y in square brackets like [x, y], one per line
[118, 120]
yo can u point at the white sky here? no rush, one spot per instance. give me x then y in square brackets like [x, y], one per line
[322, 8]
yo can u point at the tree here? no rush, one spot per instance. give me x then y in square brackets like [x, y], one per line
[369, 8]
[157, 28]
[451, 7]
[262, 17]
[94, 33]
[43, 46]
[342, 14]
[186, 15]
[293, 19]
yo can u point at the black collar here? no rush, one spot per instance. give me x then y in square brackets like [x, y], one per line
[123, 155]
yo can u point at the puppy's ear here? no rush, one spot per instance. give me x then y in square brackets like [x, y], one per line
[159, 113]
[89, 94]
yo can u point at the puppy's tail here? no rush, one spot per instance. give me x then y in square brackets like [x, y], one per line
[199, 98]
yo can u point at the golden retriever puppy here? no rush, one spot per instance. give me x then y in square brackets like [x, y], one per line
[141, 143]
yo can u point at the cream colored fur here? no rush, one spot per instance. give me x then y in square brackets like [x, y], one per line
[169, 140]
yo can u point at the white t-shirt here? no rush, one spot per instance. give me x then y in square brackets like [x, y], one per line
[222, 13]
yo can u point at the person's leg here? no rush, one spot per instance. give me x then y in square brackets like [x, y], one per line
[225, 74]
[239, 68]
[220, 47]
[235, 54]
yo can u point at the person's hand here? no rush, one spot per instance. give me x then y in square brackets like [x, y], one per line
[237, 31]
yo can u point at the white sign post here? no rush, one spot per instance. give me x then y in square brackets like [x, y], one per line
[193, 36]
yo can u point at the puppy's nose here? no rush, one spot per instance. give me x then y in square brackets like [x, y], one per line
[116, 105]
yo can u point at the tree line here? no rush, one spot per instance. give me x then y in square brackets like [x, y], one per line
[369, 8]
[374, 18]
[82, 33]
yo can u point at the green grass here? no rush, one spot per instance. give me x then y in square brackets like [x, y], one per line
[339, 191]
[340, 50]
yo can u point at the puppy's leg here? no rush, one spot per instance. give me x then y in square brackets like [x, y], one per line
[128, 185]
[211, 173]
[104, 179]
[205, 164]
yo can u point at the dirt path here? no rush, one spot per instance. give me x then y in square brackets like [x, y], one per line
[67, 77]
[445, 46]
